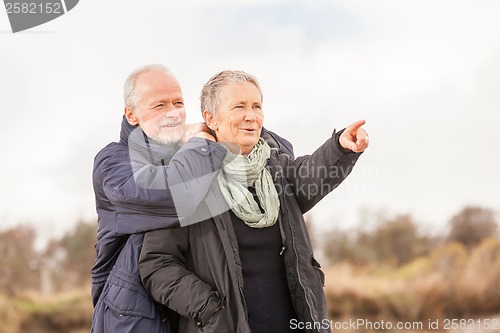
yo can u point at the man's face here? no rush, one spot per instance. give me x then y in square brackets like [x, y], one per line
[240, 117]
[160, 108]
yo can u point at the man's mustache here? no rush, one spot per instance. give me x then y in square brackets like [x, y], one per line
[170, 121]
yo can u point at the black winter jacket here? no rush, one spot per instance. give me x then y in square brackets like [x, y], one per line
[196, 271]
[131, 183]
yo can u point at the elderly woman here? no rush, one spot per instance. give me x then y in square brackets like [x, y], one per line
[250, 268]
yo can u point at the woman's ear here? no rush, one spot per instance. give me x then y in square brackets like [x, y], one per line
[131, 118]
[210, 120]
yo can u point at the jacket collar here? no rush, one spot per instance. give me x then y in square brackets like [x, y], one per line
[125, 131]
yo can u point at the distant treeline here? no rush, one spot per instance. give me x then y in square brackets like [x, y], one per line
[399, 240]
[65, 263]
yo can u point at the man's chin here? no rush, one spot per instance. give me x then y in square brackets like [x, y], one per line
[167, 141]
[170, 137]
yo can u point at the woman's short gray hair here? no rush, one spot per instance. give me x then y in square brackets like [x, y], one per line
[129, 96]
[210, 94]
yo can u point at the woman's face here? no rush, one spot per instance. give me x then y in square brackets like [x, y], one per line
[239, 121]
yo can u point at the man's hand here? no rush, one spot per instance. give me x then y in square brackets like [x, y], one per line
[199, 130]
[354, 137]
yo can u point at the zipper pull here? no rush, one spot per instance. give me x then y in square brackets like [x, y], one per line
[282, 250]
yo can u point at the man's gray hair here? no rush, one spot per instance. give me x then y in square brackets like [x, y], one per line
[130, 98]
[210, 94]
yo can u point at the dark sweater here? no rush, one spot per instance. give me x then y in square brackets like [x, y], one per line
[265, 287]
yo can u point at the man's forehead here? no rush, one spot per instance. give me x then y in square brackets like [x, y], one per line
[158, 83]
[158, 78]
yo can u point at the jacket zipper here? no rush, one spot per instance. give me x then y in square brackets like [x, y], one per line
[274, 176]
[298, 275]
[297, 264]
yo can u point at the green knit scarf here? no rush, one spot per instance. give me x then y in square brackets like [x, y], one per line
[240, 172]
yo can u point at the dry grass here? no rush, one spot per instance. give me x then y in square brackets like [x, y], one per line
[68, 312]
[10, 317]
[452, 282]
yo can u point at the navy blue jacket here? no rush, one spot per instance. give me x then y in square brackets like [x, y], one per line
[132, 181]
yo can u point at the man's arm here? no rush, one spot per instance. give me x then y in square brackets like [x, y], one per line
[146, 188]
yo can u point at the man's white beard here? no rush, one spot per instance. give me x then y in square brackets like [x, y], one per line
[168, 139]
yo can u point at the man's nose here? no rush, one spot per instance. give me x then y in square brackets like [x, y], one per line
[173, 112]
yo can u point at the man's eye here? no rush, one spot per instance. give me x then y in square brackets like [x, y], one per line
[257, 107]
[159, 106]
[238, 106]
[179, 103]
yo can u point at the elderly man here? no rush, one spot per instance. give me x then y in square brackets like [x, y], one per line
[131, 183]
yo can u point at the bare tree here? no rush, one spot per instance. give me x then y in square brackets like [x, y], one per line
[18, 259]
[471, 225]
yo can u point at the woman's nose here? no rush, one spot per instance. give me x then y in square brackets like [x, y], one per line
[250, 115]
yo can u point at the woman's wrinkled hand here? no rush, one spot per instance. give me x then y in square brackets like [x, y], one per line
[355, 137]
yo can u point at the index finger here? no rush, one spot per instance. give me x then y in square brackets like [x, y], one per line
[355, 126]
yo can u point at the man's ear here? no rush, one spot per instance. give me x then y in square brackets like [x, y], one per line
[210, 120]
[130, 115]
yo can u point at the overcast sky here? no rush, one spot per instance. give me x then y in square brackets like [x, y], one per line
[424, 74]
